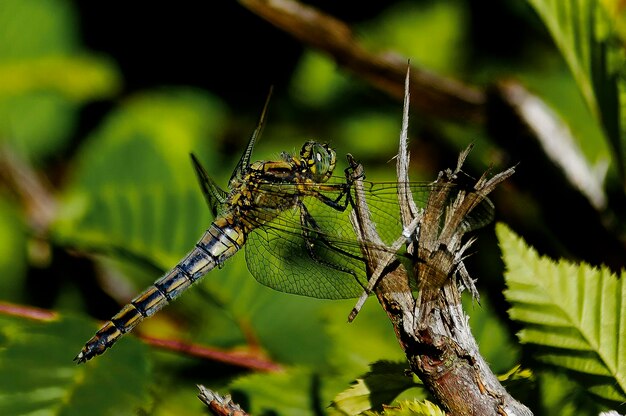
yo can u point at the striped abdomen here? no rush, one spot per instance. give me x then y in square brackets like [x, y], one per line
[218, 243]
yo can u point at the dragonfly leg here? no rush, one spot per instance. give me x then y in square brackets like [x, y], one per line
[309, 228]
[350, 171]
[336, 203]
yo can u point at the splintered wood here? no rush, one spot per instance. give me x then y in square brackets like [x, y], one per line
[430, 323]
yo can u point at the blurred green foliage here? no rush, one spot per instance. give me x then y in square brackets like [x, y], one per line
[45, 75]
[403, 27]
[129, 203]
[39, 376]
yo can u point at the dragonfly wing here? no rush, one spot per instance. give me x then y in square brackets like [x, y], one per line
[320, 257]
[215, 197]
[382, 198]
[481, 216]
[244, 161]
[320, 261]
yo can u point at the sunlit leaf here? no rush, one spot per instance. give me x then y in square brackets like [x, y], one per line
[77, 78]
[291, 392]
[411, 408]
[617, 14]
[173, 397]
[34, 28]
[587, 38]
[301, 391]
[431, 34]
[148, 139]
[516, 373]
[44, 75]
[39, 376]
[378, 387]
[36, 124]
[573, 315]
[135, 222]
[292, 329]
[317, 80]
[363, 134]
[369, 338]
[559, 90]
[135, 188]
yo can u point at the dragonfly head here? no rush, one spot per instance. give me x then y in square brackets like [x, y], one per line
[319, 160]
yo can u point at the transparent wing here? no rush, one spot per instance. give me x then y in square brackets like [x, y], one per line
[311, 250]
[290, 258]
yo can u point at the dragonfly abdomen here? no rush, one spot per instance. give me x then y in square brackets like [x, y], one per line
[218, 243]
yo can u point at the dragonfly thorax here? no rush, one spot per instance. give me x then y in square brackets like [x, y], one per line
[318, 160]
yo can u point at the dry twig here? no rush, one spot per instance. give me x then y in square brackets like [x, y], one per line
[433, 330]
[431, 93]
[219, 405]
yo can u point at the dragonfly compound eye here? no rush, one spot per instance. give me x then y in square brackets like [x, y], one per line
[320, 160]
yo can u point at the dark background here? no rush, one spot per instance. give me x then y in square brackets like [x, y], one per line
[235, 54]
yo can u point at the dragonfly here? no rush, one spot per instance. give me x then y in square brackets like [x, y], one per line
[292, 216]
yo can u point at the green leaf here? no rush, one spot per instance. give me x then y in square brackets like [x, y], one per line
[516, 373]
[574, 315]
[33, 28]
[369, 338]
[560, 395]
[559, 90]
[13, 255]
[39, 376]
[77, 78]
[379, 387]
[135, 188]
[292, 329]
[147, 141]
[411, 408]
[316, 78]
[36, 124]
[617, 13]
[298, 391]
[587, 39]
[44, 75]
[134, 222]
[291, 392]
[404, 27]
[362, 133]
[176, 397]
